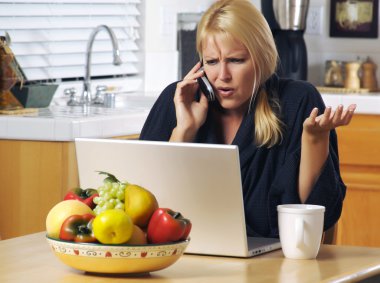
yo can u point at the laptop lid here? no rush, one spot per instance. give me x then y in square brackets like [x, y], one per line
[202, 181]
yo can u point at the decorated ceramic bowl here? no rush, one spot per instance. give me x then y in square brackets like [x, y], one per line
[101, 258]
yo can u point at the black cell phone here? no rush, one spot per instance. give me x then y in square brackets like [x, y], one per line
[206, 87]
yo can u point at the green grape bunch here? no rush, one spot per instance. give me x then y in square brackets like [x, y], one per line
[111, 194]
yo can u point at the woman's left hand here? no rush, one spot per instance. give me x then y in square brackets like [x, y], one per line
[315, 125]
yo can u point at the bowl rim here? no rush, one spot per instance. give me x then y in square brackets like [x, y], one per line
[84, 244]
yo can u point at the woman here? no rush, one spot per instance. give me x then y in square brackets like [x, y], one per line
[286, 137]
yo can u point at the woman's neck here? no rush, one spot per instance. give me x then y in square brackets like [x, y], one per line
[227, 124]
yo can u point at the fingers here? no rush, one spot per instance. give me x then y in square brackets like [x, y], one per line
[312, 120]
[196, 67]
[329, 119]
[314, 112]
[326, 117]
[186, 83]
[339, 117]
[185, 88]
[203, 100]
[194, 73]
[349, 113]
[352, 107]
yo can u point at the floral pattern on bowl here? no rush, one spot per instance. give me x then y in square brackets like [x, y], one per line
[94, 257]
[116, 251]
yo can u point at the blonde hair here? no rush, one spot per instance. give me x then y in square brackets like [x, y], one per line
[240, 20]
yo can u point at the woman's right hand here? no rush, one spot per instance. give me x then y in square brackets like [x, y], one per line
[190, 113]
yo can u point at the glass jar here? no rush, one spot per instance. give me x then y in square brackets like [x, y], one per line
[10, 74]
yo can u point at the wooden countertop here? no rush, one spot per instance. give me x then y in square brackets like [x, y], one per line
[29, 259]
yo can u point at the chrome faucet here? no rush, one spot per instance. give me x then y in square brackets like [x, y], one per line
[86, 94]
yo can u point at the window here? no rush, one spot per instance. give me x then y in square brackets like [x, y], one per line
[49, 38]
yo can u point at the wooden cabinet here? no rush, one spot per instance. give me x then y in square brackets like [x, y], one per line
[359, 151]
[34, 176]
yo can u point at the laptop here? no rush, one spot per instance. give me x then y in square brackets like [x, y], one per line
[202, 181]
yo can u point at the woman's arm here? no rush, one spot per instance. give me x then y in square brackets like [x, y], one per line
[315, 144]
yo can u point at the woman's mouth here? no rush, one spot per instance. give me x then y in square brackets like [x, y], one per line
[225, 91]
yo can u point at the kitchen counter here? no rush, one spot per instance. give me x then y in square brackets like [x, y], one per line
[366, 103]
[29, 259]
[63, 123]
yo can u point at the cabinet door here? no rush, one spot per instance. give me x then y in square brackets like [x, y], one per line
[359, 151]
[34, 176]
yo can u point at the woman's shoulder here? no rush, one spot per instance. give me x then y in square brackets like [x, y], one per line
[161, 119]
[298, 92]
[171, 87]
[169, 90]
[296, 88]
[166, 96]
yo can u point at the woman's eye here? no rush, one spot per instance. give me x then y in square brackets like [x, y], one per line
[211, 62]
[236, 60]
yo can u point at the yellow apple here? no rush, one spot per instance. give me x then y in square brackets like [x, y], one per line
[112, 226]
[60, 212]
[138, 237]
[139, 204]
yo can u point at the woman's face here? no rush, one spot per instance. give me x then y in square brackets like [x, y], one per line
[230, 70]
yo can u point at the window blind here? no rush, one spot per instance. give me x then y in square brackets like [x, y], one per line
[49, 38]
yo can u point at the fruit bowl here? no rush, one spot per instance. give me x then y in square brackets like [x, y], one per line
[101, 258]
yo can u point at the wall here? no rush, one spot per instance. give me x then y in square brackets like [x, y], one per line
[161, 61]
[322, 47]
[161, 56]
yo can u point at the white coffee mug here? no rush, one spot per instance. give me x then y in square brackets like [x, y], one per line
[301, 229]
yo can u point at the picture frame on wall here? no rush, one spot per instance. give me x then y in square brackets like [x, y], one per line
[354, 18]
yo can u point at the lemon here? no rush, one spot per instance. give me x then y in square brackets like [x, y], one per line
[112, 226]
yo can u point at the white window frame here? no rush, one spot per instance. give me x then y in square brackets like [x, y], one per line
[49, 39]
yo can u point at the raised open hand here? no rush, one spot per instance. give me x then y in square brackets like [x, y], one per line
[329, 120]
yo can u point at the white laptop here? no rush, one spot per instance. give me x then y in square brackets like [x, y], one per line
[202, 181]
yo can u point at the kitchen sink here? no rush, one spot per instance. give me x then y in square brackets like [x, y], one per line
[124, 104]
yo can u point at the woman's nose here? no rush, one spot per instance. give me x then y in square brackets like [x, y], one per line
[224, 72]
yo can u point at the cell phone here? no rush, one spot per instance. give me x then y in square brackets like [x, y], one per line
[206, 87]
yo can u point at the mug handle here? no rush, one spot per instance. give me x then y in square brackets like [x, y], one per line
[299, 233]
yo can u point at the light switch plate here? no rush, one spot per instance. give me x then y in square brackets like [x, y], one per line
[314, 21]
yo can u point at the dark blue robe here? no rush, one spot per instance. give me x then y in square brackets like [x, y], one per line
[269, 176]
